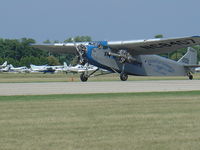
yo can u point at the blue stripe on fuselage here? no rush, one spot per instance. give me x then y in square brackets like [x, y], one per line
[91, 60]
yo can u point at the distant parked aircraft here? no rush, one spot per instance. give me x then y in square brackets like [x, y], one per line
[4, 65]
[80, 68]
[46, 68]
[5, 69]
[197, 69]
[42, 68]
[22, 69]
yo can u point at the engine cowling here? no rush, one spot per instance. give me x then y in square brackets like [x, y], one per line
[81, 54]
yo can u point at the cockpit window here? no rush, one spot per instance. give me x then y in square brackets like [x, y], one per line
[100, 45]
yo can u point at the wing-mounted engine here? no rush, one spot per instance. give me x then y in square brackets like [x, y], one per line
[123, 58]
[122, 55]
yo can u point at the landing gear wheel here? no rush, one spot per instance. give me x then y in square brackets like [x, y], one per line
[83, 77]
[123, 76]
[190, 76]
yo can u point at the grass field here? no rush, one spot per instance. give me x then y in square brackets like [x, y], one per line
[62, 77]
[142, 121]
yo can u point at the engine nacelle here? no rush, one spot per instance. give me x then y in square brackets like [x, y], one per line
[122, 55]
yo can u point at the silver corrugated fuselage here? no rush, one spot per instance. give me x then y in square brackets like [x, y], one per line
[145, 65]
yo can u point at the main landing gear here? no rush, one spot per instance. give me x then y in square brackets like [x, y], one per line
[85, 75]
[190, 76]
[123, 57]
[123, 76]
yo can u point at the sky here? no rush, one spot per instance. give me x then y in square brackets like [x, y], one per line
[101, 19]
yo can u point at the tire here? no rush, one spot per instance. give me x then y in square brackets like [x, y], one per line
[123, 76]
[190, 77]
[83, 77]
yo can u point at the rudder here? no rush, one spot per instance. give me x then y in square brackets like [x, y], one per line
[190, 57]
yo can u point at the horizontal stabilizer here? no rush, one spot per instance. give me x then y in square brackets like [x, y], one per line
[191, 66]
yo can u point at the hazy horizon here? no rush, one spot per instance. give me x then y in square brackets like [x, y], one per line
[102, 20]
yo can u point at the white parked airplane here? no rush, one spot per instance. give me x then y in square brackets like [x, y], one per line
[197, 69]
[46, 68]
[42, 68]
[5, 69]
[22, 69]
[80, 68]
[4, 65]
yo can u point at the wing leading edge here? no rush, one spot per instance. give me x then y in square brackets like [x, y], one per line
[155, 46]
[57, 48]
[135, 47]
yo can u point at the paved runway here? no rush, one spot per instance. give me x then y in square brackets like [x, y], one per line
[97, 87]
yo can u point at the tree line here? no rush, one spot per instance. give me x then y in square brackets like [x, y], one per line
[19, 52]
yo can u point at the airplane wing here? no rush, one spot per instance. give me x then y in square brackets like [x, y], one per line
[57, 48]
[155, 46]
[191, 66]
[135, 47]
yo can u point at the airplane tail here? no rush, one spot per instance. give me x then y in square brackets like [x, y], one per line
[7, 68]
[4, 64]
[65, 65]
[11, 66]
[190, 58]
[32, 66]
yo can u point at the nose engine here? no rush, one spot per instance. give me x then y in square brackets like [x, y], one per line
[81, 54]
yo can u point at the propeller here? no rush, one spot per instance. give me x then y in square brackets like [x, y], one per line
[81, 52]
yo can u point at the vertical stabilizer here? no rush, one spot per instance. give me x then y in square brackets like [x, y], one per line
[5, 64]
[65, 65]
[190, 58]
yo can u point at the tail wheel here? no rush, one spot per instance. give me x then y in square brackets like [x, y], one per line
[123, 76]
[83, 77]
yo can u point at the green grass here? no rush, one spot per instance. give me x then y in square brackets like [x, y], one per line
[62, 77]
[146, 121]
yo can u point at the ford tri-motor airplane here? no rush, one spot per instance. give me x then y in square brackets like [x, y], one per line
[133, 57]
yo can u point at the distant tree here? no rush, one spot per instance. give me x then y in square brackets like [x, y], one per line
[12, 61]
[198, 52]
[1, 60]
[176, 56]
[15, 50]
[159, 36]
[27, 41]
[52, 61]
[82, 39]
[27, 61]
[20, 53]
[56, 41]
[43, 60]
[79, 39]
[65, 58]
[74, 61]
[68, 40]
[47, 42]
